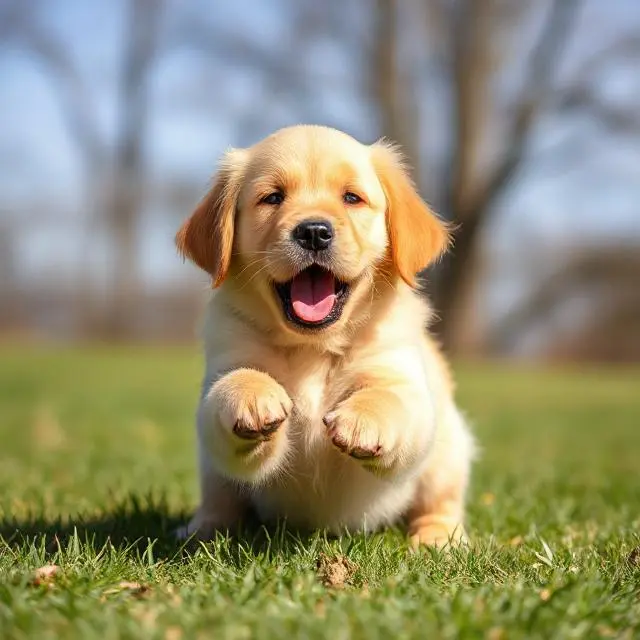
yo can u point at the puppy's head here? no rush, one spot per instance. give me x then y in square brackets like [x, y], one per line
[306, 221]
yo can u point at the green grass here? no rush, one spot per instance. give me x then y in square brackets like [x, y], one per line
[97, 466]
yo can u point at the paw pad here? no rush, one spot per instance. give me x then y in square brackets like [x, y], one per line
[248, 431]
[351, 448]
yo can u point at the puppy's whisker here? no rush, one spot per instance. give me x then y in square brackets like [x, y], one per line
[250, 253]
[385, 278]
[254, 276]
[252, 264]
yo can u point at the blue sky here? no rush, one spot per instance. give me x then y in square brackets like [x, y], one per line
[581, 181]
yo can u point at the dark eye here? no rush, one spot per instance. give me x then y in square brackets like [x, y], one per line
[351, 198]
[275, 198]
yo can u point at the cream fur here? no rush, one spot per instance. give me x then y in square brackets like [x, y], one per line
[353, 426]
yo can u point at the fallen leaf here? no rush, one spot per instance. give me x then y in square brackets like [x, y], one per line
[335, 571]
[545, 594]
[45, 575]
[135, 588]
[516, 541]
[634, 557]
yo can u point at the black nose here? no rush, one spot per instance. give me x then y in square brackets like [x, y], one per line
[313, 235]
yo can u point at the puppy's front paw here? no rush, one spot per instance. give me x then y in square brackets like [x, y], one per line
[250, 404]
[359, 427]
[249, 410]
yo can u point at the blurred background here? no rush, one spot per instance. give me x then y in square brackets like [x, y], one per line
[521, 120]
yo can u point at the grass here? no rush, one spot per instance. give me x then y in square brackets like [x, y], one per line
[97, 467]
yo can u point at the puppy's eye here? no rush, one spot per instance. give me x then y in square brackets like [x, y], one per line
[351, 198]
[275, 198]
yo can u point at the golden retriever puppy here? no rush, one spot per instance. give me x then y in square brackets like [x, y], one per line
[324, 400]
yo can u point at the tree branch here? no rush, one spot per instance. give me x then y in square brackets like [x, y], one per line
[582, 93]
[627, 46]
[77, 108]
[618, 119]
[438, 25]
[471, 44]
[144, 23]
[537, 87]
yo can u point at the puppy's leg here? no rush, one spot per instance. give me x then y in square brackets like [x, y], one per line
[437, 514]
[386, 424]
[222, 504]
[242, 424]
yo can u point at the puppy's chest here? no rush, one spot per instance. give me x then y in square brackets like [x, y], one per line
[312, 387]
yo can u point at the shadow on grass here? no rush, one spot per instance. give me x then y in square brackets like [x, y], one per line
[134, 522]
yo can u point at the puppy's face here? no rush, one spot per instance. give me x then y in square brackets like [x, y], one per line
[310, 225]
[306, 220]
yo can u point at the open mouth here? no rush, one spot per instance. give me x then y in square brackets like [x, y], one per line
[314, 298]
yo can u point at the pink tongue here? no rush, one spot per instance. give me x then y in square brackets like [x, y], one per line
[313, 296]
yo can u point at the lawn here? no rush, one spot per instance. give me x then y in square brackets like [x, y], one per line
[97, 466]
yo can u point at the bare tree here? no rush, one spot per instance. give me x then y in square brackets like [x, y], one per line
[113, 182]
[78, 112]
[285, 80]
[123, 214]
[467, 38]
[114, 175]
[389, 87]
[471, 196]
[467, 43]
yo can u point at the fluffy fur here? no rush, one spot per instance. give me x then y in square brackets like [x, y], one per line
[352, 425]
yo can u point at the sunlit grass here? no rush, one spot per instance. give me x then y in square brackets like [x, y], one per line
[97, 467]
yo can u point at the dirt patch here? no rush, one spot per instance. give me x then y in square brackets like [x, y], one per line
[335, 571]
[45, 575]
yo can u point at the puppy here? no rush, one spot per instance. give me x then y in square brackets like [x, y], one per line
[324, 400]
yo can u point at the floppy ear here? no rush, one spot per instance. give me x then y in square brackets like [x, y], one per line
[206, 238]
[418, 237]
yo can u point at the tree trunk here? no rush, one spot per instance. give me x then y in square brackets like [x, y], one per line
[470, 195]
[127, 200]
[390, 88]
[450, 277]
[472, 52]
